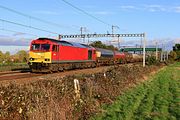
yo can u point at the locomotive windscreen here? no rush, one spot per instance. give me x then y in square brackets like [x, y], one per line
[35, 47]
[44, 47]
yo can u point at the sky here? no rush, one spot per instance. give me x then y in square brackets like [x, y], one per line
[159, 19]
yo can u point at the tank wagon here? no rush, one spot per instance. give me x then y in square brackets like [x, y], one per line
[50, 55]
[109, 57]
[131, 57]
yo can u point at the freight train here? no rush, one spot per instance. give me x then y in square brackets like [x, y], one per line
[50, 55]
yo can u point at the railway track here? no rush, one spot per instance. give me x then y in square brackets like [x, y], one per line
[13, 75]
[16, 75]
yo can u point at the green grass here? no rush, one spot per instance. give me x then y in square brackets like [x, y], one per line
[13, 66]
[156, 99]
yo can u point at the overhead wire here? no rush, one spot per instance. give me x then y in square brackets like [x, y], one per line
[8, 30]
[44, 21]
[23, 25]
[86, 13]
[35, 18]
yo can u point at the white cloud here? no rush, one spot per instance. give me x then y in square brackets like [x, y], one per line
[155, 8]
[151, 8]
[18, 34]
[177, 9]
[128, 7]
[177, 40]
[8, 41]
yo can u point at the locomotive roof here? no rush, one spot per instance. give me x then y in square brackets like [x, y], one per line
[66, 43]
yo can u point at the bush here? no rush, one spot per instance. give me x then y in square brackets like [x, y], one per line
[172, 55]
[151, 60]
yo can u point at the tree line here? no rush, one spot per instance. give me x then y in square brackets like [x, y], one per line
[20, 57]
[99, 44]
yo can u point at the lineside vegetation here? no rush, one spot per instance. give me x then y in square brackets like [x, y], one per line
[157, 99]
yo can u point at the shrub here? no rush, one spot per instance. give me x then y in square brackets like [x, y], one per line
[172, 55]
[151, 60]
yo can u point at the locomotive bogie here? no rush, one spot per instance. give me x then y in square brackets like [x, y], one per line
[39, 67]
[55, 67]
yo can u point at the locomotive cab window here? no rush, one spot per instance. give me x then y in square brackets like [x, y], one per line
[55, 48]
[35, 47]
[45, 47]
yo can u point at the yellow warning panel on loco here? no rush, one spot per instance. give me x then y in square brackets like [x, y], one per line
[40, 57]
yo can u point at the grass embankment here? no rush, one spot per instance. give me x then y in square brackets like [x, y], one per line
[13, 66]
[157, 99]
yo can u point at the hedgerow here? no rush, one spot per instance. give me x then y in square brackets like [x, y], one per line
[158, 98]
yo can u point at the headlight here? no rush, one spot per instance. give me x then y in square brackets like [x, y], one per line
[47, 59]
[31, 59]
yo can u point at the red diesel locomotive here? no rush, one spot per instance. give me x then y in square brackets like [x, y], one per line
[49, 55]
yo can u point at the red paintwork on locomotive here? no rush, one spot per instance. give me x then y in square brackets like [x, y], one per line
[60, 54]
[119, 55]
[66, 53]
[73, 53]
